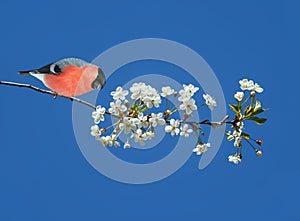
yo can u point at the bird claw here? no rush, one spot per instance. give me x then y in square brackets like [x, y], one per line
[55, 95]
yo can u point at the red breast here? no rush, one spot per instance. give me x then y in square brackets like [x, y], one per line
[73, 80]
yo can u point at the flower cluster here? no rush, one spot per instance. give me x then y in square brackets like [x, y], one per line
[146, 94]
[250, 85]
[132, 110]
[134, 119]
[247, 108]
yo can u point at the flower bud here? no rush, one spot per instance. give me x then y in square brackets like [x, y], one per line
[103, 130]
[228, 132]
[252, 94]
[127, 145]
[167, 114]
[259, 142]
[258, 153]
[127, 104]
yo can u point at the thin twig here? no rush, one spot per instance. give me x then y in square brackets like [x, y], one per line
[47, 92]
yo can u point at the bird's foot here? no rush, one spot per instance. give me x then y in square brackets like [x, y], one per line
[55, 94]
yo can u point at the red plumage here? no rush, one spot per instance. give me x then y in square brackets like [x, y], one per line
[72, 81]
[69, 76]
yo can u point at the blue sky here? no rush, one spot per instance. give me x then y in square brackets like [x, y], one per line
[44, 176]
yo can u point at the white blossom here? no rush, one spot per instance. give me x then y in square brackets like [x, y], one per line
[188, 105]
[119, 93]
[109, 141]
[239, 96]
[184, 95]
[95, 131]
[137, 135]
[127, 145]
[137, 90]
[113, 139]
[106, 141]
[156, 101]
[157, 119]
[173, 127]
[185, 130]
[98, 114]
[152, 100]
[151, 97]
[190, 89]
[128, 124]
[167, 91]
[201, 148]
[141, 137]
[143, 121]
[257, 88]
[234, 159]
[246, 84]
[117, 108]
[146, 93]
[240, 125]
[238, 142]
[148, 135]
[236, 134]
[249, 85]
[187, 92]
[210, 101]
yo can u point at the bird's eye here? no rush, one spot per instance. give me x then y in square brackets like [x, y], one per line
[55, 69]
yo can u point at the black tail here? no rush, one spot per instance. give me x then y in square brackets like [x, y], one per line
[24, 72]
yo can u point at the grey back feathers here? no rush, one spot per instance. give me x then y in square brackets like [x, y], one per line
[70, 61]
[58, 66]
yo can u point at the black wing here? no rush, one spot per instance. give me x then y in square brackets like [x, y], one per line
[100, 81]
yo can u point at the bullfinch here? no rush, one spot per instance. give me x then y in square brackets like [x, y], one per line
[69, 77]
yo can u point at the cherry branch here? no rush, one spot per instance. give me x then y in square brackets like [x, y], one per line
[47, 92]
[54, 94]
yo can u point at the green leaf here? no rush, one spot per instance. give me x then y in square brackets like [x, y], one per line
[245, 135]
[258, 112]
[230, 137]
[257, 105]
[144, 109]
[258, 120]
[248, 110]
[135, 107]
[261, 110]
[235, 108]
